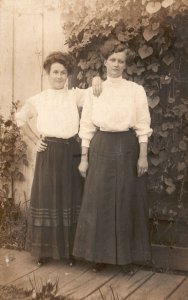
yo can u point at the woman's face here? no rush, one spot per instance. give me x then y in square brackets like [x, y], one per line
[57, 76]
[115, 64]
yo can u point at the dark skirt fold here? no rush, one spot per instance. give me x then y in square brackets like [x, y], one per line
[113, 221]
[55, 200]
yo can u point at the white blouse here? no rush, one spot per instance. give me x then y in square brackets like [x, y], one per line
[56, 111]
[121, 105]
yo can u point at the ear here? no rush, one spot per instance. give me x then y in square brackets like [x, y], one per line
[105, 62]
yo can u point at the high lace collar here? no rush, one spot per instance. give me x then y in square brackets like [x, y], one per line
[57, 91]
[114, 80]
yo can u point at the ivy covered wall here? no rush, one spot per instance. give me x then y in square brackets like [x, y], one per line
[157, 33]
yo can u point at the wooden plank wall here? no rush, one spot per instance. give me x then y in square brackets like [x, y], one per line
[29, 30]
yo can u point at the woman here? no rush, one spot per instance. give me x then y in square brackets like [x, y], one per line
[57, 185]
[113, 222]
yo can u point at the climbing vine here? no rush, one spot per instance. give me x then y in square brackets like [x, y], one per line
[157, 34]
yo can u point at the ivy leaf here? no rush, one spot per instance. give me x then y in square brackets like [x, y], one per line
[155, 25]
[154, 67]
[158, 110]
[168, 59]
[179, 110]
[83, 64]
[182, 146]
[140, 71]
[149, 33]
[186, 116]
[145, 22]
[98, 65]
[167, 3]
[153, 7]
[131, 69]
[80, 76]
[163, 133]
[163, 155]
[145, 51]
[180, 177]
[185, 138]
[174, 149]
[185, 130]
[181, 166]
[171, 100]
[122, 37]
[112, 23]
[104, 22]
[167, 125]
[171, 186]
[153, 102]
[185, 2]
[164, 79]
[185, 101]
[168, 181]
[171, 189]
[152, 170]
[155, 149]
[155, 160]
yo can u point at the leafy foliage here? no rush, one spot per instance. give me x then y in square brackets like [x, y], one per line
[12, 155]
[157, 34]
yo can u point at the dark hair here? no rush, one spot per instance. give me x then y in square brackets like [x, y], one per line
[58, 57]
[112, 46]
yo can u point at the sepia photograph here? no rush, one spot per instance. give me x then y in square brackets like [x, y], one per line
[94, 149]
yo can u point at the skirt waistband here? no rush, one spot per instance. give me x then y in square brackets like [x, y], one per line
[129, 130]
[58, 140]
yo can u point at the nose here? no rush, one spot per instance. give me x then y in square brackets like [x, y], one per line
[59, 75]
[116, 63]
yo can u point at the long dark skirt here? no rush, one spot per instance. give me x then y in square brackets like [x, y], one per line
[55, 200]
[113, 222]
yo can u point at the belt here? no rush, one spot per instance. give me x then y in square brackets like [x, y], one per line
[57, 140]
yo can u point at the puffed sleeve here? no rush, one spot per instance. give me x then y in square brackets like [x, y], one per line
[143, 120]
[28, 111]
[87, 128]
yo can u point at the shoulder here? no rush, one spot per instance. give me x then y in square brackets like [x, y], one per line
[133, 84]
[34, 99]
[137, 88]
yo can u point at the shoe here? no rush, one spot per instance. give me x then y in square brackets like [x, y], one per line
[71, 262]
[41, 261]
[128, 269]
[97, 267]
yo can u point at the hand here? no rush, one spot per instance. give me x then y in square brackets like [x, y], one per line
[142, 166]
[41, 145]
[83, 167]
[97, 86]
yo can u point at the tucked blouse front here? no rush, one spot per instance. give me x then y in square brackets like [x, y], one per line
[56, 111]
[121, 105]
